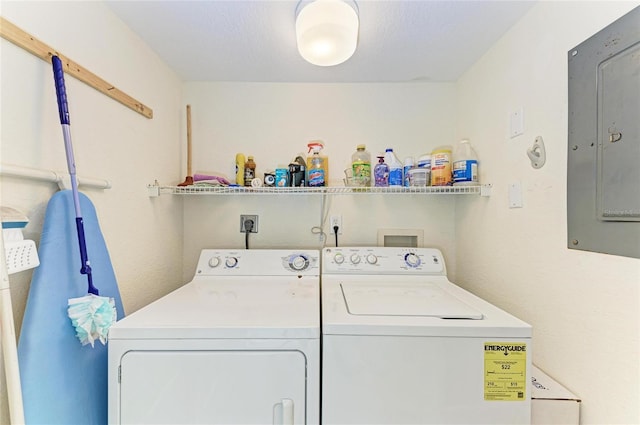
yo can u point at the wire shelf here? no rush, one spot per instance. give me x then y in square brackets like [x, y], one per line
[482, 190]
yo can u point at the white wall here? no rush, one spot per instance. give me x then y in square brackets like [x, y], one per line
[274, 123]
[144, 235]
[584, 307]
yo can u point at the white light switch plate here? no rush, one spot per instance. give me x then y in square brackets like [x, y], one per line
[515, 195]
[516, 123]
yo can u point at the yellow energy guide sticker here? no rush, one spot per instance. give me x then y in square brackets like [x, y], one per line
[505, 371]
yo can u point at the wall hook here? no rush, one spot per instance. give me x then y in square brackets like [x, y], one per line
[537, 153]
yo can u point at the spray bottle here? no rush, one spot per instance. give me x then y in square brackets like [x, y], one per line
[317, 165]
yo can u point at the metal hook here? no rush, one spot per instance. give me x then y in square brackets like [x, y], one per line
[537, 154]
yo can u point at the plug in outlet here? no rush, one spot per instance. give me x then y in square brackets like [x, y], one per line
[245, 217]
[335, 220]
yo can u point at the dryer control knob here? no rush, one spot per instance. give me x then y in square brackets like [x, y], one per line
[299, 263]
[412, 259]
[338, 258]
[231, 262]
[372, 259]
[355, 258]
[214, 262]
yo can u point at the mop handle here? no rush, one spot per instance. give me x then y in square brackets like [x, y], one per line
[63, 110]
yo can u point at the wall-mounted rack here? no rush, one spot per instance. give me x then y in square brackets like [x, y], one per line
[63, 180]
[156, 190]
[26, 41]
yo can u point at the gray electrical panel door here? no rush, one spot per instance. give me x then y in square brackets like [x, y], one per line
[603, 173]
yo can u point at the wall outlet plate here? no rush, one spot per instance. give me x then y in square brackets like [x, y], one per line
[245, 217]
[335, 220]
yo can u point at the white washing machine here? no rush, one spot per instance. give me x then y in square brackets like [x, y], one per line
[403, 345]
[239, 344]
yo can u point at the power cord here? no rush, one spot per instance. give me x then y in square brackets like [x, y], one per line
[319, 230]
[248, 227]
[335, 232]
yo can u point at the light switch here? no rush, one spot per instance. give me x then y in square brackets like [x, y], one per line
[516, 122]
[515, 195]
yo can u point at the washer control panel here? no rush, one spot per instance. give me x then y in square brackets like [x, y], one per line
[258, 262]
[383, 260]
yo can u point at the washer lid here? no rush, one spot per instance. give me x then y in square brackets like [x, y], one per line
[405, 300]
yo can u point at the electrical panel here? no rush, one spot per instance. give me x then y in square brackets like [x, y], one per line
[603, 170]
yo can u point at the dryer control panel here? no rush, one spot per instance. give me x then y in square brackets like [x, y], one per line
[258, 262]
[383, 260]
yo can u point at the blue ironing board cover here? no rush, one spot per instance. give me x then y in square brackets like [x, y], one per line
[64, 382]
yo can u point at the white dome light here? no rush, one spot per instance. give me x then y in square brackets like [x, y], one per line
[327, 32]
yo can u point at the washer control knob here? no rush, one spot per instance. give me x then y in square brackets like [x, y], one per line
[214, 262]
[372, 259]
[338, 258]
[231, 262]
[299, 262]
[412, 259]
[355, 258]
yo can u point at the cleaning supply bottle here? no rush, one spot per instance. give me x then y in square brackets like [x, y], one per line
[424, 162]
[249, 171]
[317, 166]
[240, 160]
[465, 164]
[395, 168]
[361, 166]
[441, 166]
[381, 173]
[408, 165]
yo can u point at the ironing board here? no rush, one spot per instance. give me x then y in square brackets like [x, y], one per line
[64, 382]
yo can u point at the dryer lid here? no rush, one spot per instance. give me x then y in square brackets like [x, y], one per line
[270, 307]
[398, 299]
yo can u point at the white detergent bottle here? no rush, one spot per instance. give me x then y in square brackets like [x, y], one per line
[395, 168]
[465, 164]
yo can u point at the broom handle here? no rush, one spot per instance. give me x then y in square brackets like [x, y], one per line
[63, 110]
[189, 140]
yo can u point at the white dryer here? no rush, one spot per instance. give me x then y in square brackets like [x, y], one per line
[239, 344]
[404, 345]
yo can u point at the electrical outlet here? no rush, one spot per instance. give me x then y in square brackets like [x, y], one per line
[245, 217]
[336, 220]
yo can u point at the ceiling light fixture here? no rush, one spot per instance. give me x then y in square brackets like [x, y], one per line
[327, 31]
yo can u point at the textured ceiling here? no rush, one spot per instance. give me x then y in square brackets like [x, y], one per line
[240, 40]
